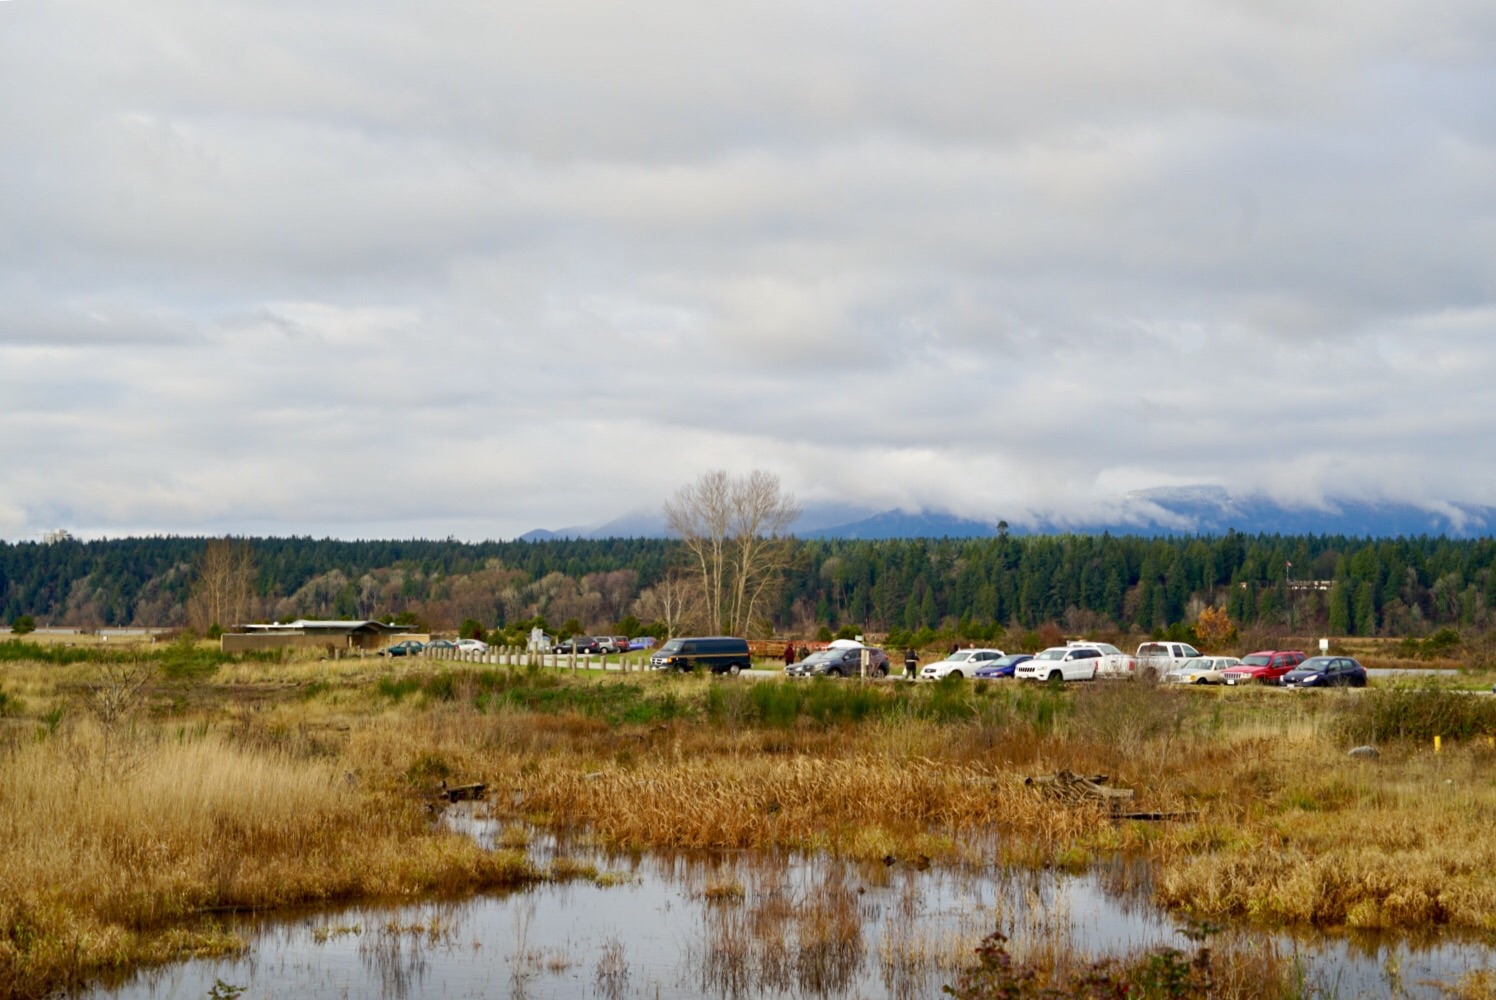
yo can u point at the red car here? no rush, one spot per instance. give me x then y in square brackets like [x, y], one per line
[1264, 667]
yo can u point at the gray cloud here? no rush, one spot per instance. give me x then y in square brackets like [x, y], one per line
[472, 269]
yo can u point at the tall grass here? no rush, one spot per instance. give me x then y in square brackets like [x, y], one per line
[104, 866]
[279, 784]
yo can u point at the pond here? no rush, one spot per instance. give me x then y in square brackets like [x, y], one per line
[739, 925]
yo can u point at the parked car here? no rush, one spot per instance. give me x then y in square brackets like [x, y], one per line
[1154, 659]
[613, 643]
[1264, 667]
[436, 645]
[721, 654]
[405, 647]
[1326, 671]
[581, 644]
[1003, 666]
[1067, 663]
[472, 646]
[840, 661]
[1113, 662]
[1201, 670]
[642, 642]
[961, 663]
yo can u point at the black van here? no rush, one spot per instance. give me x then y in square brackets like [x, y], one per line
[720, 654]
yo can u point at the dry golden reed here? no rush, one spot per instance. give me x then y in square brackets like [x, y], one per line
[103, 867]
[303, 783]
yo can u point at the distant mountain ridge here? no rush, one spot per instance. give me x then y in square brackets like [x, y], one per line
[1165, 511]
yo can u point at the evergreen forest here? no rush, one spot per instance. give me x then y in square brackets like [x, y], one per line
[1082, 583]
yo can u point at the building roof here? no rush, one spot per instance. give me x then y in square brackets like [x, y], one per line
[341, 627]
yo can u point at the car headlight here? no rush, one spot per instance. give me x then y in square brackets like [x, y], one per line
[1311, 679]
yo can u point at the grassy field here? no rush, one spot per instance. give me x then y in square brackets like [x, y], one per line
[142, 796]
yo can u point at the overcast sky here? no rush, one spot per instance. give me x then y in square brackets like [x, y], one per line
[470, 268]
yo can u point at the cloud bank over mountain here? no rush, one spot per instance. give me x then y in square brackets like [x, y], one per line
[464, 269]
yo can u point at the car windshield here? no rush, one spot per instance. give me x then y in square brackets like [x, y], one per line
[1010, 659]
[1315, 663]
[961, 656]
[1051, 654]
[822, 655]
[1256, 660]
[1197, 664]
[673, 646]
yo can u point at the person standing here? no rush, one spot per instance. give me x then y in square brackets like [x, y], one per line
[911, 663]
[789, 652]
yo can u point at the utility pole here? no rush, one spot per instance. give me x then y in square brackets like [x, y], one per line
[1289, 582]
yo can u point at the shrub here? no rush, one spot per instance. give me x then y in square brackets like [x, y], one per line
[1128, 716]
[184, 660]
[1418, 714]
[22, 625]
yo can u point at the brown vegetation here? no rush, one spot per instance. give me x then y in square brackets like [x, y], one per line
[122, 833]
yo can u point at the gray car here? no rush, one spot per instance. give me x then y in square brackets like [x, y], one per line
[842, 661]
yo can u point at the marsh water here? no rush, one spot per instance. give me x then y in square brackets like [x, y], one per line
[738, 925]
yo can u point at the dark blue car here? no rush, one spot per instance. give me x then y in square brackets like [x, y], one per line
[1326, 671]
[1002, 666]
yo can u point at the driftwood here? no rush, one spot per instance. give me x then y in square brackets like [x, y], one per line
[1069, 787]
[1076, 788]
[461, 793]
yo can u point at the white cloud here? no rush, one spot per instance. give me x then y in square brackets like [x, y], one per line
[472, 269]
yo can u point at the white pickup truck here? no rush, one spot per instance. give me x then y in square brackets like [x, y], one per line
[1154, 659]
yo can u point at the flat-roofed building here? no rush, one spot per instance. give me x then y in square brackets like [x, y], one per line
[309, 634]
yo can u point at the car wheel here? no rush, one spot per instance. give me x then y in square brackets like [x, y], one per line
[956, 674]
[1055, 675]
[1202, 680]
[883, 671]
[834, 672]
[734, 670]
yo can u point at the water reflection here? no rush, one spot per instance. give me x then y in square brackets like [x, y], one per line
[740, 925]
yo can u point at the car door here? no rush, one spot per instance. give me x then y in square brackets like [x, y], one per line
[1080, 664]
[1340, 674]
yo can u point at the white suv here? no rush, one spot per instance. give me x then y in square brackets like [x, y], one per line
[1069, 663]
[1114, 662]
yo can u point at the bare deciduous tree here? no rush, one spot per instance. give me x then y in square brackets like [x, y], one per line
[733, 528]
[674, 602]
[222, 585]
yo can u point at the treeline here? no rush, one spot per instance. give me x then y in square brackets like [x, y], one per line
[1345, 586]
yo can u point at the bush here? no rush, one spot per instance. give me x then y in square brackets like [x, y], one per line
[1418, 714]
[184, 660]
[1442, 644]
[1128, 716]
[22, 625]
